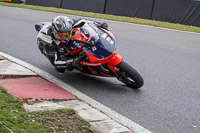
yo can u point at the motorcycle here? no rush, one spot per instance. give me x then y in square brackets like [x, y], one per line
[96, 46]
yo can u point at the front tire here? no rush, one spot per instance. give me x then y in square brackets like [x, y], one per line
[129, 76]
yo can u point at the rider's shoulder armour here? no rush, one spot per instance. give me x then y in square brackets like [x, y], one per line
[45, 34]
[47, 29]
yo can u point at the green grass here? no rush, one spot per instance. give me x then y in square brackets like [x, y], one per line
[109, 17]
[13, 118]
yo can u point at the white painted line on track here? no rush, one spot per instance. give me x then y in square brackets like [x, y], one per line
[109, 112]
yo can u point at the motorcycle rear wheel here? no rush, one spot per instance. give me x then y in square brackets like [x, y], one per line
[128, 75]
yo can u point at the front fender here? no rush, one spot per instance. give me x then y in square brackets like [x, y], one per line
[115, 60]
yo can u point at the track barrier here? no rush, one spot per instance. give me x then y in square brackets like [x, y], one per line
[13, 1]
[45, 3]
[175, 11]
[96, 6]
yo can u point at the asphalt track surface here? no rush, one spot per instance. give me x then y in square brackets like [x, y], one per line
[168, 60]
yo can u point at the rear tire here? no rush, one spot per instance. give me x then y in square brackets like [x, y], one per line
[129, 75]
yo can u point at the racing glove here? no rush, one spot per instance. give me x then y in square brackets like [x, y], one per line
[73, 62]
[102, 25]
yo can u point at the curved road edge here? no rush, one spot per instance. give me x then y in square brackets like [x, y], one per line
[107, 111]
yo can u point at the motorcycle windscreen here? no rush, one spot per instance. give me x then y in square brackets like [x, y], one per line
[103, 48]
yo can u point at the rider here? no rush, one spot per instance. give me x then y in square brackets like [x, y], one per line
[59, 31]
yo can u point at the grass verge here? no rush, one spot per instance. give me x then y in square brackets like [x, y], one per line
[14, 119]
[109, 17]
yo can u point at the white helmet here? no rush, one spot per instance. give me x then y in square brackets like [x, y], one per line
[61, 28]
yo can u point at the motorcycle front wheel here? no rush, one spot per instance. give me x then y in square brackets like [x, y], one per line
[129, 76]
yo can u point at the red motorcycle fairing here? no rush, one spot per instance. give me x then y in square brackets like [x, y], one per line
[101, 52]
[94, 40]
[113, 60]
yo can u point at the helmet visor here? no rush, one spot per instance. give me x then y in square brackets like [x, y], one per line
[64, 36]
